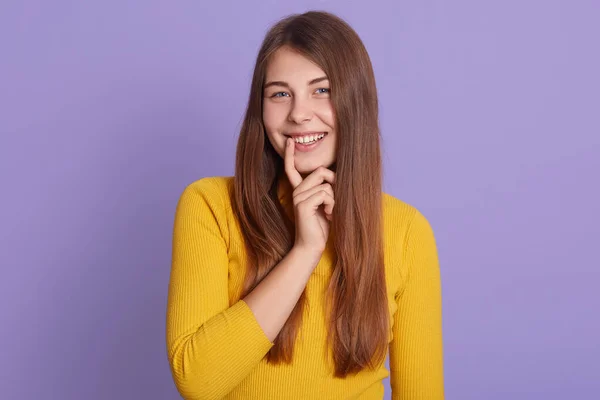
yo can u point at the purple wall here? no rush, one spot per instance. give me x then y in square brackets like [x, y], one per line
[489, 112]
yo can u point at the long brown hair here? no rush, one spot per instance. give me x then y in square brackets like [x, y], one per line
[356, 297]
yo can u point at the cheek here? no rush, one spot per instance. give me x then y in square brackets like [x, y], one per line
[273, 115]
[326, 115]
[272, 125]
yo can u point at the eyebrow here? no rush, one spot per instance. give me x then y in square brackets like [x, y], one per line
[285, 84]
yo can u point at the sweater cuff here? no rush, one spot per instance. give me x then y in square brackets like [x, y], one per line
[254, 342]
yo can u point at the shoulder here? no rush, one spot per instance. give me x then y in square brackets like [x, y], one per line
[211, 184]
[406, 232]
[402, 218]
[397, 212]
[214, 191]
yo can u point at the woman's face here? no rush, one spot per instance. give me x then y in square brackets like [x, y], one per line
[296, 103]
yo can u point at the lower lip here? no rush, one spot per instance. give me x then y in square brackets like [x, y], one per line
[309, 147]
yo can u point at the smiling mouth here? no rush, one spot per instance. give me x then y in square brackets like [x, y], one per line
[317, 136]
[306, 147]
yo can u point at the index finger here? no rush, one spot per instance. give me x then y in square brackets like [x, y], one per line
[290, 169]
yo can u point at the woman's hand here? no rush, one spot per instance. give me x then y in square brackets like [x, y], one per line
[310, 193]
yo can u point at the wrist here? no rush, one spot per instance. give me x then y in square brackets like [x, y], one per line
[309, 255]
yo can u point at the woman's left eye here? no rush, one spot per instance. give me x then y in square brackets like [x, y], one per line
[323, 89]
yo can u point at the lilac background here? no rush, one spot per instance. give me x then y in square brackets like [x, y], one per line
[490, 118]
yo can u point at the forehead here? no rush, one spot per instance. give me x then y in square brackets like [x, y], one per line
[290, 66]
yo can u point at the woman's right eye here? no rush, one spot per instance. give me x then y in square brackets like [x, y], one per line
[277, 94]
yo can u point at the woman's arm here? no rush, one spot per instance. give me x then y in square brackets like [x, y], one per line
[213, 346]
[274, 298]
[416, 357]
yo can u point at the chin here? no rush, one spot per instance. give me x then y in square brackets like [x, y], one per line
[305, 168]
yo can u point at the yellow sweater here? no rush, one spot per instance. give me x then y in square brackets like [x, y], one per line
[216, 347]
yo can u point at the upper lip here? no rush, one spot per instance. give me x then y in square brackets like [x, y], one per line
[296, 134]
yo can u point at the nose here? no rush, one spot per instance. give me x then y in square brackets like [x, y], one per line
[301, 111]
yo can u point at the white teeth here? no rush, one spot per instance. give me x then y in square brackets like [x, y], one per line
[309, 138]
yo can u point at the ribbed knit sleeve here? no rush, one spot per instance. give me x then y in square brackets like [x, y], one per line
[416, 360]
[212, 345]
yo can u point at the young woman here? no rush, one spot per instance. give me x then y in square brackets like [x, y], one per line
[294, 278]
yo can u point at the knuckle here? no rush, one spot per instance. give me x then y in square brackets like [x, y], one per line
[327, 189]
[296, 201]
